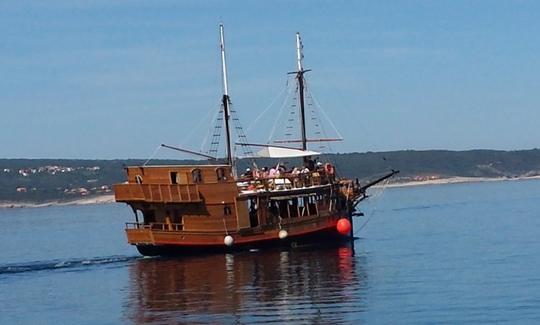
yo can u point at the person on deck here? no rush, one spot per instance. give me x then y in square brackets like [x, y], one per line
[248, 174]
[320, 167]
[264, 172]
[310, 164]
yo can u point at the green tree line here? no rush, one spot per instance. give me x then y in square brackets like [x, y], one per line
[38, 180]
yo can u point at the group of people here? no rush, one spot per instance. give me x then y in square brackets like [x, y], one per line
[280, 170]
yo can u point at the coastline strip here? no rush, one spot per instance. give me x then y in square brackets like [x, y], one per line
[107, 199]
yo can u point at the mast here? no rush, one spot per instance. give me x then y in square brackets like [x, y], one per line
[300, 79]
[225, 99]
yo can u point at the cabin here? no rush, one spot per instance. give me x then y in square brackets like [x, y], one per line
[181, 197]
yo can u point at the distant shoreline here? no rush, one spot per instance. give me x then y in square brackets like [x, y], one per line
[99, 199]
[109, 198]
[457, 180]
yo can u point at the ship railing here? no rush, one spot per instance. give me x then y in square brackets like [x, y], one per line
[157, 192]
[155, 226]
[137, 225]
[287, 181]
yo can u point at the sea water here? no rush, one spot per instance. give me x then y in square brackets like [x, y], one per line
[459, 253]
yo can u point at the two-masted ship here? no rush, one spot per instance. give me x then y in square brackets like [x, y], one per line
[182, 209]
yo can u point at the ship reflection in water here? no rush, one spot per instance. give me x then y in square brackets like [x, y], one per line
[316, 285]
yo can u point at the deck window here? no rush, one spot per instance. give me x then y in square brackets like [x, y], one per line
[253, 212]
[294, 205]
[312, 205]
[283, 209]
[221, 174]
[174, 178]
[196, 176]
[149, 216]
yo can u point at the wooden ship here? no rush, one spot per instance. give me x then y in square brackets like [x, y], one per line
[185, 209]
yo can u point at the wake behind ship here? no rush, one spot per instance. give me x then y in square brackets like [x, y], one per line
[185, 209]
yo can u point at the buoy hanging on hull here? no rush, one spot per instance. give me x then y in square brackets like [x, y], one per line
[283, 234]
[228, 240]
[344, 226]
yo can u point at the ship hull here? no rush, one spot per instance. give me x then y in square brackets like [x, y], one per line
[326, 237]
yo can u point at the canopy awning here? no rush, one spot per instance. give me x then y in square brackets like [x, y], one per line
[281, 152]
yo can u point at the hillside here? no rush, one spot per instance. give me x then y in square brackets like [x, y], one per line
[39, 180]
[442, 163]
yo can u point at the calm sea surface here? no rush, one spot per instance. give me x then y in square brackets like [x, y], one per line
[462, 253]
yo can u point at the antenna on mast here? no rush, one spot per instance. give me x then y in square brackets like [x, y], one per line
[225, 99]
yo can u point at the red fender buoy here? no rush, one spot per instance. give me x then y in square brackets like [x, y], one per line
[344, 226]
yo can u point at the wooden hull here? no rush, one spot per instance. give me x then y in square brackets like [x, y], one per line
[325, 236]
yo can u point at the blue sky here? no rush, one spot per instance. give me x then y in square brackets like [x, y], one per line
[114, 79]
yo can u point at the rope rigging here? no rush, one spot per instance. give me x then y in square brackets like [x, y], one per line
[214, 117]
[281, 110]
[242, 138]
[377, 200]
[288, 118]
[152, 155]
[263, 112]
[216, 136]
[214, 146]
[206, 119]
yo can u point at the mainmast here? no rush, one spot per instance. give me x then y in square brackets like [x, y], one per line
[226, 100]
[300, 79]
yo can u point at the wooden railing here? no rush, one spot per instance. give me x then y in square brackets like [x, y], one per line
[137, 225]
[157, 193]
[155, 226]
[285, 182]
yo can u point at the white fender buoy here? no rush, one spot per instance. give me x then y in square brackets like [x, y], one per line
[228, 240]
[283, 234]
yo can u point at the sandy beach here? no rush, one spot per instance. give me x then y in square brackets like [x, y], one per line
[82, 201]
[456, 180]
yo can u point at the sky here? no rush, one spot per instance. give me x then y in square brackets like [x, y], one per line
[114, 79]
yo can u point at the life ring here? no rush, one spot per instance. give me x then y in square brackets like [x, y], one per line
[329, 168]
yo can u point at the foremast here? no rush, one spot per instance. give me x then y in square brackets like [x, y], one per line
[225, 100]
